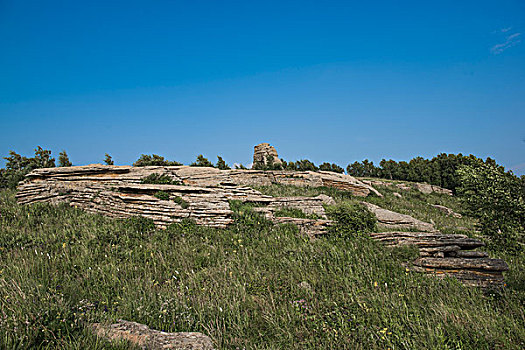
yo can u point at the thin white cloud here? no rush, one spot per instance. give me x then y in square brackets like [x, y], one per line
[504, 30]
[510, 41]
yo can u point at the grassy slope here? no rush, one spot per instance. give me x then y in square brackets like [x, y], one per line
[61, 267]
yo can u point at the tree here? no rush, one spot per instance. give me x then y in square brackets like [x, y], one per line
[496, 198]
[154, 159]
[221, 164]
[18, 166]
[201, 161]
[63, 160]
[331, 167]
[108, 160]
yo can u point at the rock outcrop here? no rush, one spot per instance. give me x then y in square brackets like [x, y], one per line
[202, 194]
[264, 152]
[422, 187]
[388, 219]
[142, 336]
[446, 210]
[440, 254]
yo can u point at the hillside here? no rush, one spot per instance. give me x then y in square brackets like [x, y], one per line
[253, 284]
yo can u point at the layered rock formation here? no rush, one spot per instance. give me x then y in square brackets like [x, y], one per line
[264, 152]
[203, 194]
[145, 338]
[440, 254]
[422, 187]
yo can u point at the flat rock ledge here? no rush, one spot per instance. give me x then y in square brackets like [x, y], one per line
[449, 255]
[388, 219]
[146, 338]
[421, 187]
[201, 194]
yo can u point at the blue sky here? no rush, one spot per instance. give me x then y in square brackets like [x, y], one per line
[334, 81]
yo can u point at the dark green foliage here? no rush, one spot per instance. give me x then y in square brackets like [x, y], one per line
[108, 160]
[497, 199]
[63, 159]
[331, 167]
[294, 213]
[154, 159]
[201, 161]
[305, 165]
[351, 219]
[18, 166]
[221, 164]
[165, 196]
[440, 170]
[181, 202]
[160, 179]
[240, 166]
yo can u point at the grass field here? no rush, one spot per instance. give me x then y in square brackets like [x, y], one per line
[61, 268]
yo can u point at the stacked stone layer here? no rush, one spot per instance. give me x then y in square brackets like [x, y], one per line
[440, 254]
[118, 191]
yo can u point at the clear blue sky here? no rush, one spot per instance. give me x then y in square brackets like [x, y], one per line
[334, 81]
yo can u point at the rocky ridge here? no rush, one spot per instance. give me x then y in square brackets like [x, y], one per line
[201, 194]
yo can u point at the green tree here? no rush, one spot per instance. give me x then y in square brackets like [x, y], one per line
[221, 164]
[496, 198]
[154, 159]
[331, 167]
[108, 160]
[18, 166]
[201, 161]
[63, 160]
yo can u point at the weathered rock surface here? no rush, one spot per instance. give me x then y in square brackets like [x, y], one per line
[263, 151]
[422, 187]
[142, 336]
[449, 255]
[446, 210]
[117, 191]
[391, 220]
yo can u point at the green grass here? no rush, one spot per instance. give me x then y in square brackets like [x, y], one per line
[62, 268]
[294, 213]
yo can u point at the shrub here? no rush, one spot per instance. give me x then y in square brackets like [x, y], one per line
[108, 160]
[162, 195]
[159, 179]
[154, 159]
[181, 202]
[351, 220]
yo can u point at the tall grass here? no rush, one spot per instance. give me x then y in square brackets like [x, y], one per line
[61, 269]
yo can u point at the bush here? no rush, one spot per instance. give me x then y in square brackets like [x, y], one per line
[154, 159]
[351, 220]
[496, 198]
[181, 202]
[108, 160]
[165, 196]
[159, 179]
